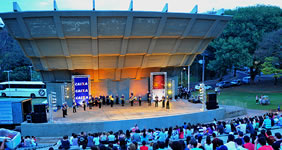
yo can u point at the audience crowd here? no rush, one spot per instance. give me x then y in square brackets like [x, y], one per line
[249, 133]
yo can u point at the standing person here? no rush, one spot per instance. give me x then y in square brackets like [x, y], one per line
[131, 98]
[122, 100]
[112, 100]
[140, 100]
[74, 107]
[167, 103]
[84, 105]
[163, 101]
[156, 100]
[99, 102]
[108, 100]
[64, 110]
[96, 101]
[149, 100]
[91, 99]
[117, 99]
[103, 99]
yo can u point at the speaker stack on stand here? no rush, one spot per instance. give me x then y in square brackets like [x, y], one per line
[39, 115]
[211, 101]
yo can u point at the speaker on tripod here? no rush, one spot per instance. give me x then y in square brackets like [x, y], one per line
[211, 101]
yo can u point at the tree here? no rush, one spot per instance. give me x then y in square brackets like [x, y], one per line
[269, 67]
[230, 53]
[248, 25]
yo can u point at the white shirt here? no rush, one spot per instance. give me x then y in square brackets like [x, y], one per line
[208, 147]
[231, 145]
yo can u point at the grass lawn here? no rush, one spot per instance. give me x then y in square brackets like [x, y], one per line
[245, 95]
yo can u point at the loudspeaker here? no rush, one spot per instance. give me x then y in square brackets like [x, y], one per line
[41, 108]
[211, 97]
[39, 118]
[211, 101]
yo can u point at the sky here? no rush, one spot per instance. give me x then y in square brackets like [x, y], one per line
[138, 5]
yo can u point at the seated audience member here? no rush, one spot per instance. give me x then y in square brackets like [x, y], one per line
[221, 146]
[230, 142]
[208, 145]
[82, 140]
[64, 143]
[277, 145]
[74, 140]
[262, 142]
[239, 144]
[144, 147]
[248, 145]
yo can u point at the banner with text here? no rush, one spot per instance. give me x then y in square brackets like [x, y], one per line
[81, 89]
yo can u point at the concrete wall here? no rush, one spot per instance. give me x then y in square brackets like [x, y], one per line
[60, 129]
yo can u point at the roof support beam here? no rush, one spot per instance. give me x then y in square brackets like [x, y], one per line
[166, 61]
[95, 62]
[23, 27]
[93, 2]
[209, 33]
[177, 44]
[58, 25]
[165, 9]
[35, 49]
[188, 28]
[16, 7]
[127, 33]
[130, 6]
[65, 48]
[184, 59]
[44, 63]
[195, 10]
[55, 6]
[159, 31]
[144, 61]
[69, 63]
[94, 46]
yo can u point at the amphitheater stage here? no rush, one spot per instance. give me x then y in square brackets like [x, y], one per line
[115, 118]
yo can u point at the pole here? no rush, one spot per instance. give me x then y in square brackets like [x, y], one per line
[8, 71]
[203, 74]
[188, 72]
[181, 78]
[30, 70]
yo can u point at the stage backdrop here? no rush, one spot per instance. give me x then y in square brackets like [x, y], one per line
[158, 84]
[80, 88]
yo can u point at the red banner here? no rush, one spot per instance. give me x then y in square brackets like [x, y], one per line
[158, 81]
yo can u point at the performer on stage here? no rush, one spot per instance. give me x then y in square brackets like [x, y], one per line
[74, 107]
[108, 99]
[149, 100]
[84, 105]
[99, 102]
[103, 99]
[163, 101]
[117, 99]
[90, 102]
[167, 103]
[96, 101]
[131, 98]
[112, 100]
[64, 109]
[156, 101]
[122, 100]
[140, 100]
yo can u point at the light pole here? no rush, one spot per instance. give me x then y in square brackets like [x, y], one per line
[184, 76]
[8, 71]
[30, 70]
[203, 75]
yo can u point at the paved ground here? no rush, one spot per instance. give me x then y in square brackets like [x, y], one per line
[107, 113]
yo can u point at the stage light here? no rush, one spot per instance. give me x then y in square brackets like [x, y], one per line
[169, 84]
[169, 92]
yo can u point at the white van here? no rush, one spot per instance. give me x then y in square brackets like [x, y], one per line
[246, 80]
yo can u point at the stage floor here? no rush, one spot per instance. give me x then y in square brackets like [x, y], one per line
[117, 112]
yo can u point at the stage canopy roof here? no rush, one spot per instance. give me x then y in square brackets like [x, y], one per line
[112, 42]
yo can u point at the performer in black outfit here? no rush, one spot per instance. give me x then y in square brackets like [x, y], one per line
[112, 100]
[117, 99]
[108, 100]
[74, 107]
[148, 96]
[167, 103]
[64, 109]
[99, 102]
[140, 100]
[84, 105]
[122, 100]
[90, 102]
[103, 99]
[163, 101]
[131, 98]
[156, 101]
[149, 100]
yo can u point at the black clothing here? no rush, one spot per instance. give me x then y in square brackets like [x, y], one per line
[167, 104]
[156, 103]
[74, 109]
[103, 100]
[131, 102]
[163, 103]
[122, 101]
[117, 100]
[82, 140]
[65, 144]
[112, 103]
[139, 99]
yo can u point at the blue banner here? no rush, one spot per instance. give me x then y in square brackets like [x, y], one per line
[81, 90]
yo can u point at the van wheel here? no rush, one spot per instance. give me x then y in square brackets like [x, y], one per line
[3, 95]
[32, 95]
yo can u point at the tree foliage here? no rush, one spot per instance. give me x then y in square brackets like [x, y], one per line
[243, 35]
[270, 67]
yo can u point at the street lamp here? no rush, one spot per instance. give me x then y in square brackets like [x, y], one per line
[8, 71]
[30, 69]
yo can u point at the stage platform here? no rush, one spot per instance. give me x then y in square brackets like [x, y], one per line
[115, 118]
